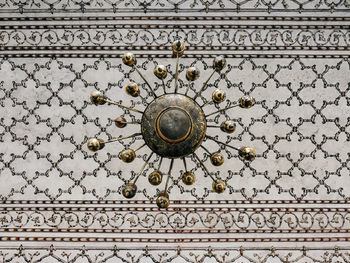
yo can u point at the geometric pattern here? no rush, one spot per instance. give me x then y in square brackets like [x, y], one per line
[61, 203]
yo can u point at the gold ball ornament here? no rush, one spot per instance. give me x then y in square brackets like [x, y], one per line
[218, 96]
[160, 71]
[228, 126]
[129, 191]
[188, 178]
[129, 59]
[120, 122]
[217, 159]
[178, 48]
[192, 74]
[95, 144]
[163, 200]
[97, 97]
[247, 153]
[155, 178]
[219, 63]
[247, 102]
[128, 155]
[132, 89]
[219, 186]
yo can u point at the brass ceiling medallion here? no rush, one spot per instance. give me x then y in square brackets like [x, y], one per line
[174, 125]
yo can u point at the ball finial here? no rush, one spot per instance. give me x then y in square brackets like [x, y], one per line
[120, 122]
[97, 97]
[163, 200]
[247, 153]
[192, 74]
[155, 178]
[129, 59]
[217, 159]
[129, 191]
[178, 48]
[219, 63]
[247, 102]
[128, 155]
[160, 71]
[218, 96]
[219, 186]
[188, 178]
[95, 144]
[132, 89]
[228, 126]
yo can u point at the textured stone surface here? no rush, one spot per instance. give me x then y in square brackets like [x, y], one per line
[290, 204]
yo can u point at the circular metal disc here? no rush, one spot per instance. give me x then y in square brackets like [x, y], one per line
[173, 125]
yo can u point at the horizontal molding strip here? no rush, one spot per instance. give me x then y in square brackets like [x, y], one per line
[167, 48]
[174, 231]
[182, 18]
[171, 240]
[172, 26]
[175, 202]
[180, 209]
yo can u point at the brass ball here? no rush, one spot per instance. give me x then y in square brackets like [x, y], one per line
[192, 74]
[219, 186]
[129, 191]
[178, 48]
[217, 159]
[120, 122]
[188, 178]
[97, 97]
[163, 200]
[128, 155]
[219, 63]
[160, 71]
[228, 126]
[95, 144]
[129, 59]
[247, 153]
[247, 102]
[132, 89]
[155, 178]
[218, 96]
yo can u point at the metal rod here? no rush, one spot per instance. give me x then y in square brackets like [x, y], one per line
[235, 105]
[169, 173]
[188, 87]
[205, 168]
[215, 140]
[163, 86]
[160, 163]
[206, 150]
[213, 126]
[122, 106]
[177, 71]
[123, 138]
[184, 159]
[143, 167]
[131, 122]
[205, 84]
[207, 103]
[140, 147]
[145, 80]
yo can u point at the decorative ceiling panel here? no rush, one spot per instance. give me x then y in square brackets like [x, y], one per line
[63, 203]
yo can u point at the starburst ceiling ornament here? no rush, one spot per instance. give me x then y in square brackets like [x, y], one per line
[173, 125]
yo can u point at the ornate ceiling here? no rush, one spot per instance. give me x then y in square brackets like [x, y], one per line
[63, 203]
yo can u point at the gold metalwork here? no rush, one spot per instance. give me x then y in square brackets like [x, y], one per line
[173, 125]
[120, 122]
[219, 186]
[132, 89]
[95, 144]
[188, 178]
[247, 153]
[128, 155]
[217, 159]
